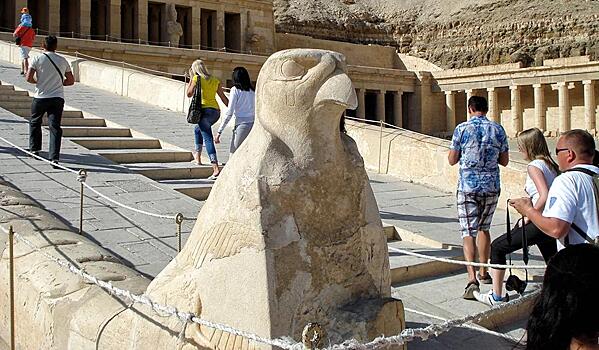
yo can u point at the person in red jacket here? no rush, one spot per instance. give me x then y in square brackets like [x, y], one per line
[26, 35]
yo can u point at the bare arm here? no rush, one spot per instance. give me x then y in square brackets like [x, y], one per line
[30, 77]
[539, 180]
[70, 79]
[453, 157]
[504, 158]
[552, 227]
[222, 95]
[190, 88]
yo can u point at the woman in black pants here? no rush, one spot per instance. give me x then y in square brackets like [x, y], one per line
[541, 171]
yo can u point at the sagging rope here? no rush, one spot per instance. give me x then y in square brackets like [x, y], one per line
[405, 336]
[160, 309]
[467, 263]
[82, 180]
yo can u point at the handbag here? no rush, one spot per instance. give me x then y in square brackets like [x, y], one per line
[18, 38]
[195, 107]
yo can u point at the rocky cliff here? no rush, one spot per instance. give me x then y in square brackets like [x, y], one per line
[453, 34]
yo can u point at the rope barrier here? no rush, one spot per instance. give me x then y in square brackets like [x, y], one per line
[158, 308]
[82, 179]
[127, 64]
[467, 263]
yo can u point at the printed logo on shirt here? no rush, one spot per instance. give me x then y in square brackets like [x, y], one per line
[552, 201]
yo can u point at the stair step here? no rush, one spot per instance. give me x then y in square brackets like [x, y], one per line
[78, 131]
[115, 142]
[198, 189]
[405, 268]
[16, 96]
[26, 113]
[87, 122]
[25, 104]
[146, 155]
[171, 171]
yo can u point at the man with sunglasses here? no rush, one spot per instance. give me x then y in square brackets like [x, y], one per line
[570, 214]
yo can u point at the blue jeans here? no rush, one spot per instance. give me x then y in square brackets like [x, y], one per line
[203, 132]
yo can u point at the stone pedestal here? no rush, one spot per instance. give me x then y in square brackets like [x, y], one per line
[494, 113]
[450, 120]
[516, 110]
[540, 107]
[590, 106]
[361, 111]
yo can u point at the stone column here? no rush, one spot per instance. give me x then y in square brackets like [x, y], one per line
[53, 16]
[361, 112]
[220, 29]
[85, 20]
[469, 93]
[380, 105]
[517, 122]
[397, 109]
[564, 106]
[540, 107]
[196, 26]
[494, 113]
[244, 25]
[450, 121]
[142, 20]
[19, 4]
[590, 106]
[115, 20]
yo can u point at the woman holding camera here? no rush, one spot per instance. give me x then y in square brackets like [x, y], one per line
[541, 171]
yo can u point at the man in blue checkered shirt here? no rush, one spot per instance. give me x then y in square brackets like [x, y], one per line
[480, 146]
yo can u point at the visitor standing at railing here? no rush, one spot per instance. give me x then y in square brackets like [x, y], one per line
[24, 37]
[479, 145]
[49, 72]
[541, 171]
[241, 104]
[210, 86]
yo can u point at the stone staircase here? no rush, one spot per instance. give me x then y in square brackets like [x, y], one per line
[428, 286]
[147, 156]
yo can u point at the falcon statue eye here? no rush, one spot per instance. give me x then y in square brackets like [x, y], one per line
[292, 70]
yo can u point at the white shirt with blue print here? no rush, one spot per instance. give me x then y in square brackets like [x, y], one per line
[479, 141]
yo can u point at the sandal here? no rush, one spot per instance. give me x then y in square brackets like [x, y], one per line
[469, 290]
[484, 279]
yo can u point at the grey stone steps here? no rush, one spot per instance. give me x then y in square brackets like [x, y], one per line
[16, 104]
[198, 189]
[146, 155]
[78, 131]
[26, 112]
[94, 143]
[171, 171]
[82, 122]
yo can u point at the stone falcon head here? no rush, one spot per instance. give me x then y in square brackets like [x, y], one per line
[292, 82]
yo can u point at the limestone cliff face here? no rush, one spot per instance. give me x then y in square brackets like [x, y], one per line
[453, 34]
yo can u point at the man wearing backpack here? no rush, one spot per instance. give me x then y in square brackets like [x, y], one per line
[24, 37]
[570, 214]
[50, 72]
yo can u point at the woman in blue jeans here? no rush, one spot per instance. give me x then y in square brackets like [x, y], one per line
[210, 87]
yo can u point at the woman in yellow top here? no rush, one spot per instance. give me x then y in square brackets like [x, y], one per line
[210, 112]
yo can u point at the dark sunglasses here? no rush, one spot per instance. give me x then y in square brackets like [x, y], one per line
[557, 150]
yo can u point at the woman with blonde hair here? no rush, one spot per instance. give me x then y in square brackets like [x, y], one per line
[541, 171]
[210, 86]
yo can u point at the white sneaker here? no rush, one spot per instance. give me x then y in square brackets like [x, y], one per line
[487, 298]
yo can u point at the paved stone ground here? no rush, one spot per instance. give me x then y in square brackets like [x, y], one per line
[147, 243]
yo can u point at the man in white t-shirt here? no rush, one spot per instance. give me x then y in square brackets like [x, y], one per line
[50, 72]
[571, 210]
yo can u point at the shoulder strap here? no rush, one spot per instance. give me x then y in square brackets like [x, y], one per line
[582, 170]
[25, 32]
[55, 66]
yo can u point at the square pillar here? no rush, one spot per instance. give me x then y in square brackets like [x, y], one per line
[361, 112]
[450, 121]
[469, 93]
[53, 17]
[220, 29]
[398, 109]
[540, 107]
[494, 114]
[517, 122]
[115, 20]
[85, 23]
[590, 106]
[244, 28]
[564, 106]
[380, 105]
[19, 4]
[196, 27]
[142, 20]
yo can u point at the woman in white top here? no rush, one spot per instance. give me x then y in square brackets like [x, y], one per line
[541, 171]
[241, 104]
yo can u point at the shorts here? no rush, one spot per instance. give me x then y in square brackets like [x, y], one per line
[475, 211]
[24, 52]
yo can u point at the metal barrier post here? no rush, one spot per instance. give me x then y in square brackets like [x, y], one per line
[81, 178]
[380, 145]
[179, 220]
[11, 281]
